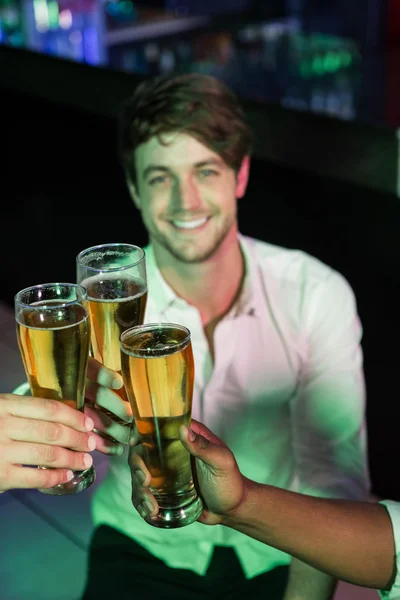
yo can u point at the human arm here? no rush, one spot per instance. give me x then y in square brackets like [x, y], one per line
[350, 540]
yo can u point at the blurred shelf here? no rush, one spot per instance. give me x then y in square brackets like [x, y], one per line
[363, 153]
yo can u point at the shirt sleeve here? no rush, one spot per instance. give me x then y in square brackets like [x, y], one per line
[393, 508]
[23, 389]
[328, 412]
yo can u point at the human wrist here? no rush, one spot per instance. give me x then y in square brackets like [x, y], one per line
[241, 513]
[257, 512]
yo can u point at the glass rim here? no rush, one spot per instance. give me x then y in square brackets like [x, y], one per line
[61, 303]
[105, 247]
[151, 326]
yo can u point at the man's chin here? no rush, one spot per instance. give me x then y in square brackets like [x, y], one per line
[192, 258]
[189, 253]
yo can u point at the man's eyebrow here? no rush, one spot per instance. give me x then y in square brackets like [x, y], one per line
[210, 161]
[204, 163]
[151, 168]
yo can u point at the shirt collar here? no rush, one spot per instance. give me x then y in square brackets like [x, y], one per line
[157, 286]
[166, 296]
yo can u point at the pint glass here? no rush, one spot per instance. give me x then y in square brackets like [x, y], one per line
[158, 372]
[53, 332]
[114, 276]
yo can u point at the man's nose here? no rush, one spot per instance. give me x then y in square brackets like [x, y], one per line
[187, 196]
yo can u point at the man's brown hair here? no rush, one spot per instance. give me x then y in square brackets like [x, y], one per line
[198, 105]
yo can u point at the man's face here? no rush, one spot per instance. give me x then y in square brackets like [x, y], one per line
[187, 196]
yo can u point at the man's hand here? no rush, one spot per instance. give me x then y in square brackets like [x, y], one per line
[102, 404]
[42, 432]
[217, 476]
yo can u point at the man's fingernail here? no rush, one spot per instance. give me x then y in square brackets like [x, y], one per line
[89, 424]
[88, 460]
[92, 442]
[132, 441]
[117, 384]
[140, 476]
[68, 475]
[116, 449]
[191, 435]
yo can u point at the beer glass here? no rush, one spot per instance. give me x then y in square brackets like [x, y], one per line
[114, 276]
[158, 372]
[53, 332]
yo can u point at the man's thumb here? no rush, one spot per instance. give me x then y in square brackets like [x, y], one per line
[197, 445]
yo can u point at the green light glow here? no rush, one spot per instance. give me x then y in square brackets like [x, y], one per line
[53, 14]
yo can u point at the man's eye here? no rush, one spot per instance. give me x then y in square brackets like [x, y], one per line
[204, 173]
[158, 180]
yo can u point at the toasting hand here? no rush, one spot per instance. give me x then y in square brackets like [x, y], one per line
[218, 479]
[350, 540]
[103, 404]
[38, 431]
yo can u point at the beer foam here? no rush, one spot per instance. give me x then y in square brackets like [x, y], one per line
[111, 277]
[120, 256]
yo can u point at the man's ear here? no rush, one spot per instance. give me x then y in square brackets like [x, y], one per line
[243, 177]
[133, 192]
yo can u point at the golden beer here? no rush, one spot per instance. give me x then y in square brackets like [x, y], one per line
[53, 333]
[165, 456]
[116, 303]
[158, 372]
[54, 346]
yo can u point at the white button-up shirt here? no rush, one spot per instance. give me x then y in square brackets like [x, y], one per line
[285, 392]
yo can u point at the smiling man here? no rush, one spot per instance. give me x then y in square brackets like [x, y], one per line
[276, 341]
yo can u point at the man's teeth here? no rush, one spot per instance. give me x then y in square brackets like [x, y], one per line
[190, 224]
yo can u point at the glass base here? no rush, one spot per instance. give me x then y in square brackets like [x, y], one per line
[171, 518]
[80, 481]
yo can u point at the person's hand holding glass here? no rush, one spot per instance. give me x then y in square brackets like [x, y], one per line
[53, 332]
[158, 372]
[114, 276]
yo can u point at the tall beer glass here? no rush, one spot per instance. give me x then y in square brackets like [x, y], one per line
[114, 276]
[53, 332]
[158, 372]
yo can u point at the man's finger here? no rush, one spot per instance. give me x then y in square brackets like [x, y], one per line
[215, 456]
[30, 407]
[141, 477]
[134, 436]
[49, 433]
[146, 505]
[109, 400]
[108, 446]
[202, 430]
[33, 478]
[135, 459]
[22, 453]
[105, 424]
[103, 376]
